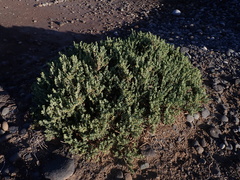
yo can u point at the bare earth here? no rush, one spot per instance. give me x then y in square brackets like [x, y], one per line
[32, 32]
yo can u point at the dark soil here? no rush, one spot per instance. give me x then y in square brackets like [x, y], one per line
[33, 32]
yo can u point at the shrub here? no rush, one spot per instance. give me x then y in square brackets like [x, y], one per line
[101, 97]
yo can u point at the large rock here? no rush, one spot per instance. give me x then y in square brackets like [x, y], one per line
[58, 168]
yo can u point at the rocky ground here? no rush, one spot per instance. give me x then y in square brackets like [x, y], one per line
[203, 146]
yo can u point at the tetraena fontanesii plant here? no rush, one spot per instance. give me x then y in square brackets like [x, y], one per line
[101, 97]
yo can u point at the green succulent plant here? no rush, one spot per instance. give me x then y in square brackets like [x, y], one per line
[101, 97]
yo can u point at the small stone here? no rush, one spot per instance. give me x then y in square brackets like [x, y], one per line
[230, 52]
[202, 161]
[176, 12]
[179, 139]
[235, 129]
[229, 147]
[236, 121]
[218, 88]
[119, 175]
[174, 127]
[203, 142]
[199, 149]
[190, 118]
[28, 157]
[59, 168]
[222, 146]
[5, 111]
[196, 116]
[13, 129]
[128, 176]
[5, 126]
[196, 144]
[190, 125]
[205, 113]
[144, 166]
[115, 33]
[224, 118]
[204, 48]
[216, 81]
[23, 131]
[184, 50]
[237, 81]
[149, 152]
[2, 132]
[214, 132]
[237, 146]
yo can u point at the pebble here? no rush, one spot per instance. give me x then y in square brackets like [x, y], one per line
[174, 127]
[230, 52]
[199, 149]
[2, 132]
[128, 176]
[237, 146]
[176, 12]
[236, 121]
[205, 113]
[237, 81]
[203, 142]
[119, 175]
[28, 157]
[196, 144]
[218, 88]
[115, 33]
[190, 118]
[5, 126]
[235, 129]
[144, 166]
[202, 161]
[23, 131]
[184, 50]
[222, 146]
[59, 168]
[204, 48]
[5, 111]
[224, 118]
[214, 132]
[148, 152]
[13, 129]
[190, 125]
[196, 116]
[229, 147]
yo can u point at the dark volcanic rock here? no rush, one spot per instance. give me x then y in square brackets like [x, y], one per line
[58, 168]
